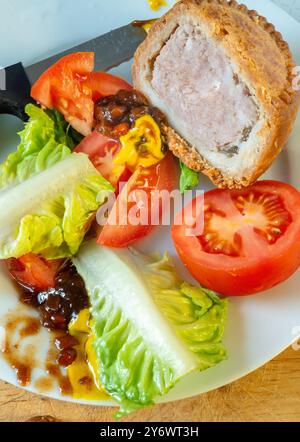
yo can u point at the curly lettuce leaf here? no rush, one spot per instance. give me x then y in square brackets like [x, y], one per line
[150, 328]
[188, 178]
[197, 314]
[44, 141]
[50, 213]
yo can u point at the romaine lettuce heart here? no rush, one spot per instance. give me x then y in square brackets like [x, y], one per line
[197, 314]
[50, 213]
[150, 329]
[44, 142]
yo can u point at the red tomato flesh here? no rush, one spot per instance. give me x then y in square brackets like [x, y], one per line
[103, 84]
[162, 176]
[101, 151]
[71, 87]
[34, 271]
[62, 87]
[250, 241]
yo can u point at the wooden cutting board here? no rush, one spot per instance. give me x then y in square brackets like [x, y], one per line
[271, 393]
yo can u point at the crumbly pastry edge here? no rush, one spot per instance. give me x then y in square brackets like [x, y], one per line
[281, 117]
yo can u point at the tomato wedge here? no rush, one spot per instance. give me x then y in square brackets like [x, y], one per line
[250, 241]
[71, 87]
[62, 87]
[103, 84]
[33, 271]
[133, 206]
[101, 151]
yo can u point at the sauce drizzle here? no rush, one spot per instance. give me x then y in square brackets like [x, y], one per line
[21, 357]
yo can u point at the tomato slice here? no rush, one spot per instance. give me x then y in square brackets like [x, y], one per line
[101, 151]
[96, 145]
[250, 241]
[71, 87]
[103, 84]
[33, 271]
[62, 86]
[132, 205]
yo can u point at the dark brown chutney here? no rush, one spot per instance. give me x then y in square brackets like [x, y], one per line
[116, 114]
[57, 306]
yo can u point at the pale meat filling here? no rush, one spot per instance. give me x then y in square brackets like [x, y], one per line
[194, 79]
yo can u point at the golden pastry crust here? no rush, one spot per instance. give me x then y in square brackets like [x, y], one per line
[264, 62]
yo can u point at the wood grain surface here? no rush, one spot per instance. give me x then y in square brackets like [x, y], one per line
[271, 393]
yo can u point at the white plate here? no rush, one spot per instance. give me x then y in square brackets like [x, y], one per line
[260, 326]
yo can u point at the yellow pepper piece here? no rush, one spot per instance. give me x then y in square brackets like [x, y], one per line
[148, 26]
[81, 323]
[145, 24]
[83, 372]
[157, 4]
[82, 380]
[141, 146]
[92, 361]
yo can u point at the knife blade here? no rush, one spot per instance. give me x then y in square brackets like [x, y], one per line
[111, 50]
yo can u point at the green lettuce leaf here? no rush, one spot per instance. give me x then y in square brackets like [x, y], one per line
[44, 141]
[188, 178]
[150, 328]
[197, 314]
[50, 212]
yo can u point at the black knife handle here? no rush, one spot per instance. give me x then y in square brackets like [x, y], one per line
[14, 90]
